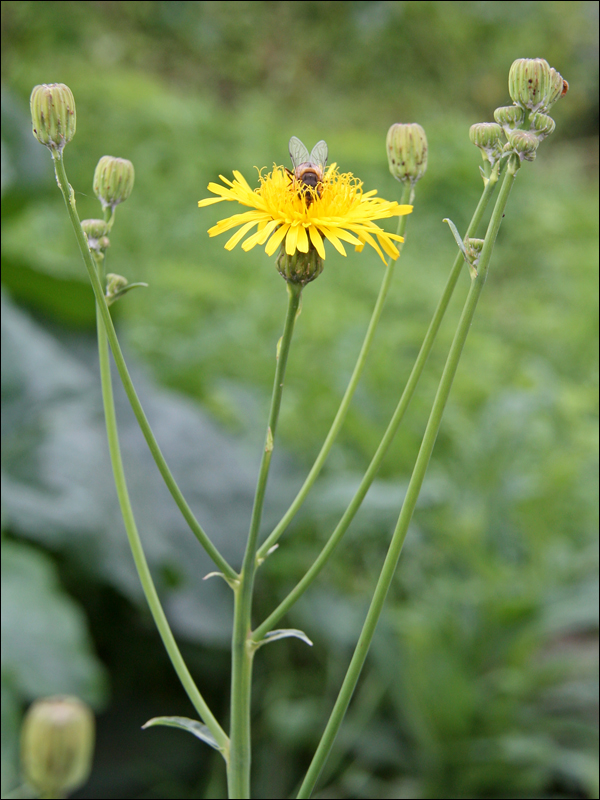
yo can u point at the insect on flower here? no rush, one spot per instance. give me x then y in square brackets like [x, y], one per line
[309, 169]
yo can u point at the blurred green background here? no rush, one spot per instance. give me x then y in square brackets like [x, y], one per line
[482, 681]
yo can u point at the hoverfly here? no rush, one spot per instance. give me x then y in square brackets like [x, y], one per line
[309, 169]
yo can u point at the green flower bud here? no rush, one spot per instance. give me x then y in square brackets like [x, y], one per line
[524, 144]
[542, 125]
[53, 115]
[300, 267]
[531, 83]
[57, 744]
[114, 284]
[95, 230]
[488, 137]
[117, 286]
[558, 87]
[407, 151]
[474, 248]
[113, 180]
[510, 117]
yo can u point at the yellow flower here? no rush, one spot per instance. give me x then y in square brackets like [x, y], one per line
[339, 211]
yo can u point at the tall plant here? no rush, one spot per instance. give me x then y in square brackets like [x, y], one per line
[294, 214]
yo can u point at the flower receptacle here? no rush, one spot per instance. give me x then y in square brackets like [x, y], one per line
[301, 268]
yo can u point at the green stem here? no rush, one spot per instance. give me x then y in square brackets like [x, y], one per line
[138, 553]
[346, 400]
[163, 468]
[412, 494]
[238, 772]
[411, 385]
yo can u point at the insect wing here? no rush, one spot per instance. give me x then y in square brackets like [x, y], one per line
[319, 154]
[298, 152]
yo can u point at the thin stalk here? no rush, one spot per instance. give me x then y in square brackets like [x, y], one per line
[163, 468]
[412, 494]
[238, 772]
[138, 553]
[409, 390]
[347, 398]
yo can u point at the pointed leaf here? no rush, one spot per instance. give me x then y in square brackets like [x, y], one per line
[285, 633]
[113, 297]
[194, 727]
[457, 238]
[214, 575]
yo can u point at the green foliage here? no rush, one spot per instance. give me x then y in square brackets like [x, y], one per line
[482, 679]
[46, 648]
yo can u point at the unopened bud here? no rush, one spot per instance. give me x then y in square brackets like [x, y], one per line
[94, 228]
[488, 137]
[53, 115]
[533, 84]
[113, 180]
[95, 231]
[300, 267]
[114, 284]
[542, 125]
[558, 87]
[474, 248]
[524, 144]
[510, 117]
[57, 744]
[407, 151]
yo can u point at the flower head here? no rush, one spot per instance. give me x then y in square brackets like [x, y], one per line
[113, 180]
[283, 214]
[53, 115]
[407, 151]
[57, 745]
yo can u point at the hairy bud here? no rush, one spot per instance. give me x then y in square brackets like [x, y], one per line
[558, 87]
[524, 144]
[113, 180]
[542, 125]
[300, 267]
[509, 117]
[57, 743]
[407, 151]
[53, 115]
[488, 137]
[534, 84]
[95, 231]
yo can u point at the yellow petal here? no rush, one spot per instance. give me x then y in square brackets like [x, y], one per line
[346, 236]
[232, 222]
[261, 235]
[315, 238]
[276, 240]
[302, 243]
[366, 236]
[334, 240]
[389, 247]
[238, 235]
[240, 178]
[291, 240]
[209, 201]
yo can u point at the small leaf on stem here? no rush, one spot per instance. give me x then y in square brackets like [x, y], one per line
[285, 633]
[194, 727]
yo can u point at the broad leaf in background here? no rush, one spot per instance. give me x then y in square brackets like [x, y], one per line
[57, 482]
[46, 649]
